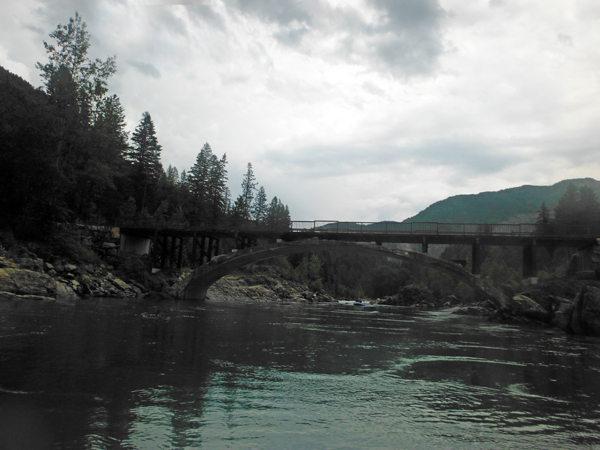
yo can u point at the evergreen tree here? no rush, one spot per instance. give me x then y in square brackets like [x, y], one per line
[578, 211]
[565, 213]
[588, 209]
[172, 175]
[199, 179]
[145, 159]
[145, 153]
[273, 213]
[278, 215]
[238, 211]
[217, 189]
[544, 221]
[260, 207]
[248, 188]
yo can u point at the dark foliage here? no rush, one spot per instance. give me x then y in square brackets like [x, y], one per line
[65, 155]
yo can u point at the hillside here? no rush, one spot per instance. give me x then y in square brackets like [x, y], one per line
[513, 205]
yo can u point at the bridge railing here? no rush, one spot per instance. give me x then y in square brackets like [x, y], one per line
[435, 228]
[413, 228]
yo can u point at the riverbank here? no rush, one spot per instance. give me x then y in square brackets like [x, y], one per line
[570, 304]
[25, 274]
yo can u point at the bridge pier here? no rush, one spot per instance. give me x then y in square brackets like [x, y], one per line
[476, 257]
[529, 259]
[424, 245]
[243, 242]
[206, 250]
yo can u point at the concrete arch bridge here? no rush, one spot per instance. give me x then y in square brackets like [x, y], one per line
[207, 274]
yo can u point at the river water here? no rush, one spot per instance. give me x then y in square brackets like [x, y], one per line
[126, 374]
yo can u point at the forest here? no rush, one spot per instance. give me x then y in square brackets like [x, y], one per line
[65, 154]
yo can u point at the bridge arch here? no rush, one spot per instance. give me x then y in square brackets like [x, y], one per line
[206, 275]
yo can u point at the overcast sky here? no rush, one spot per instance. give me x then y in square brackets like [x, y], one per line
[360, 110]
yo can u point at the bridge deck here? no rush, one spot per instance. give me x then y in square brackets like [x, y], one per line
[380, 232]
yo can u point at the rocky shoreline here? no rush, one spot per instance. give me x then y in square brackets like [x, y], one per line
[31, 277]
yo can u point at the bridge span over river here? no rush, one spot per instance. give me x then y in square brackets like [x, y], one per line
[165, 240]
[222, 265]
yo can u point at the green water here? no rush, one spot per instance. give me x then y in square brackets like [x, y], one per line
[124, 374]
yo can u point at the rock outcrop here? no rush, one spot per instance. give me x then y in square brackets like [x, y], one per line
[31, 277]
[263, 287]
[572, 305]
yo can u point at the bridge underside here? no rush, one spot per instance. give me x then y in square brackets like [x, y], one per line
[206, 275]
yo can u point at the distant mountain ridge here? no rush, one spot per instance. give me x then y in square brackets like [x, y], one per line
[513, 205]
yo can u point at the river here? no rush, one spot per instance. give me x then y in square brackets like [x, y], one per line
[127, 374]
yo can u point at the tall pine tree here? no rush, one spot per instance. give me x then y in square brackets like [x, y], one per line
[260, 207]
[248, 188]
[144, 156]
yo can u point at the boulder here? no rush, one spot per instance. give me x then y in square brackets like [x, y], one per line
[27, 282]
[65, 292]
[563, 311]
[520, 305]
[121, 284]
[5, 262]
[70, 267]
[586, 312]
[6, 282]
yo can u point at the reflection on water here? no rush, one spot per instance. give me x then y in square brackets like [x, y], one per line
[127, 374]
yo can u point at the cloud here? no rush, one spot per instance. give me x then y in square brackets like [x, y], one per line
[497, 3]
[351, 109]
[282, 12]
[207, 14]
[145, 68]
[400, 37]
[565, 39]
[409, 37]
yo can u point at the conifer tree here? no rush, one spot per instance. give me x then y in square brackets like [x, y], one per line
[565, 212]
[172, 175]
[588, 209]
[145, 153]
[260, 207]
[145, 159]
[248, 188]
[217, 189]
[543, 222]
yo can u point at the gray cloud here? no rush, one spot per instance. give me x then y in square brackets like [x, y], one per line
[37, 30]
[410, 38]
[406, 41]
[282, 12]
[206, 14]
[565, 39]
[465, 155]
[145, 68]
[459, 155]
[292, 35]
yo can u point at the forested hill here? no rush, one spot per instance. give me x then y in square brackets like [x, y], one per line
[513, 205]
